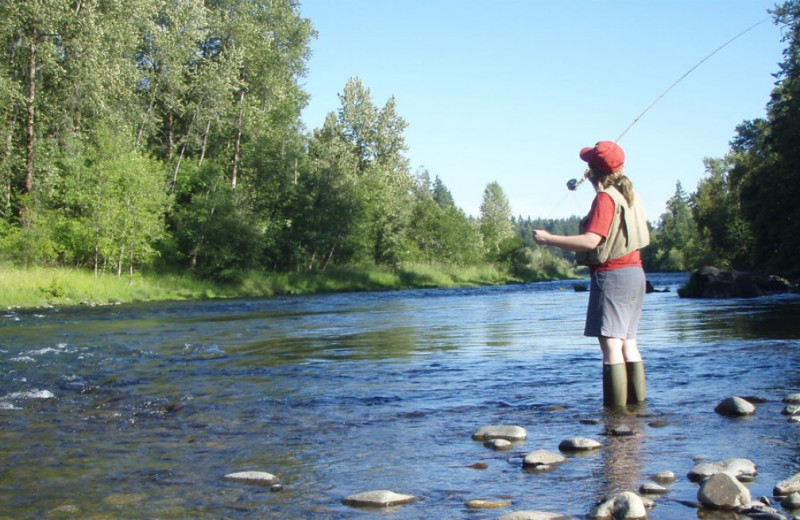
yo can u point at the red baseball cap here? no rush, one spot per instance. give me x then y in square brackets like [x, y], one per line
[605, 157]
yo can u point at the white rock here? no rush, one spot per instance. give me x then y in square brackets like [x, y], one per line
[664, 477]
[625, 505]
[579, 444]
[788, 486]
[791, 409]
[542, 460]
[499, 444]
[723, 491]
[743, 469]
[792, 501]
[253, 477]
[792, 399]
[480, 503]
[378, 498]
[509, 433]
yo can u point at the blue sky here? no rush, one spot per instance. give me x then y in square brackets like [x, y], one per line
[511, 90]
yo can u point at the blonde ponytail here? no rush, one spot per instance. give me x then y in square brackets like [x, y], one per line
[620, 181]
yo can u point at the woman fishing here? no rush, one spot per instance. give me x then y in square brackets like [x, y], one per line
[608, 241]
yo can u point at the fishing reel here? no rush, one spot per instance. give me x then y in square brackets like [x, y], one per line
[573, 184]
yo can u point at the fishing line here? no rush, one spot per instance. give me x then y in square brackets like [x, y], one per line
[573, 184]
[636, 120]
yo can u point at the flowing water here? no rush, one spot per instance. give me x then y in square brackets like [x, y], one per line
[138, 411]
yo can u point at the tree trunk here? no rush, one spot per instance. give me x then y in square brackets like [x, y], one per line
[238, 142]
[205, 143]
[31, 113]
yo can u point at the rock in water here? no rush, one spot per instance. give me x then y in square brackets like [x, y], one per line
[532, 515]
[542, 460]
[509, 433]
[625, 505]
[743, 469]
[735, 406]
[579, 444]
[723, 491]
[378, 498]
[253, 477]
[788, 486]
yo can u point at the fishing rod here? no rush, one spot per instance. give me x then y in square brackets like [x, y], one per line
[573, 184]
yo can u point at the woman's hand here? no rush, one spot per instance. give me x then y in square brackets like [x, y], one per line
[541, 237]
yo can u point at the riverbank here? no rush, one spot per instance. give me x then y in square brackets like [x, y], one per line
[57, 286]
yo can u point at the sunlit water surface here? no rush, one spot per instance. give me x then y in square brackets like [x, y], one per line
[138, 411]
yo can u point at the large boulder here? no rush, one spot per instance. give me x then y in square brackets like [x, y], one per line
[710, 282]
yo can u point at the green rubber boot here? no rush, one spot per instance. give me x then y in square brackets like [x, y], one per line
[637, 385]
[615, 385]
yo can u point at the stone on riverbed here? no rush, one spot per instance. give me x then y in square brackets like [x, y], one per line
[723, 491]
[664, 477]
[650, 488]
[480, 503]
[788, 486]
[532, 515]
[735, 406]
[792, 399]
[579, 444]
[261, 478]
[499, 444]
[624, 505]
[742, 469]
[509, 433]
[791, 409]
[542, 460]
[378, 498]
[792, 501]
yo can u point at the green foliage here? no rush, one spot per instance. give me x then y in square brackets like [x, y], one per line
[675, 243]
[495, 222]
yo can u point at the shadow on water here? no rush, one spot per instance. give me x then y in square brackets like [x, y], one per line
[139, 411]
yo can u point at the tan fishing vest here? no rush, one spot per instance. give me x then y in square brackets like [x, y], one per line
[628, 231]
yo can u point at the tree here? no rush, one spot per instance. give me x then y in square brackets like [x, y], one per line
[675, 236]
[767, 160]
[495, 220]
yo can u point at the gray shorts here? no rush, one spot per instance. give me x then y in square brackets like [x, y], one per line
[615, 303]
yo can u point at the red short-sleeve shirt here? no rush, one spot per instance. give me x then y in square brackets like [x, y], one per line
[599, 223]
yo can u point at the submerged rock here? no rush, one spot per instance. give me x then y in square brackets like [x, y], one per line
[742, 469]
[624, 505]
[542, 460]
[792, 399]
[509, 433]
[378, 498]
[791, 409]
[499, 444]
[723, 491]
[480, 503]
[650, 488]
[735, 406]
[261, 478]
[664, 477]
[532, 515]
[792, 501]
[579, 444]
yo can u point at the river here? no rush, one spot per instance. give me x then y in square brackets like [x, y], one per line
[138, 411]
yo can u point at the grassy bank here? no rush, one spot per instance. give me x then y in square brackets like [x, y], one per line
[41, 286]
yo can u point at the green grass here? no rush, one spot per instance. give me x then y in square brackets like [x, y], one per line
[45, 286]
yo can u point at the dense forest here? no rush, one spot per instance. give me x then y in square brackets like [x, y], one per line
[167, 135]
